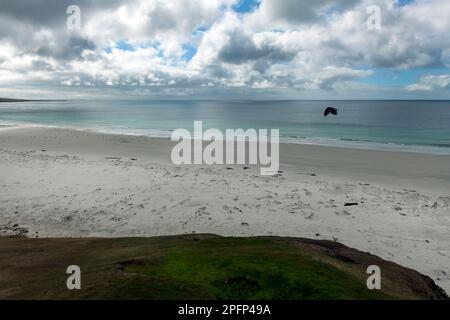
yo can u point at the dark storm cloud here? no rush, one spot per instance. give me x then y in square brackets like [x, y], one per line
[382, 53]
[427, 58]
[49, 12]
[217, 71]
[298, 11]
[21, 22]
[42, 65]
[242, 49]
[71, 51]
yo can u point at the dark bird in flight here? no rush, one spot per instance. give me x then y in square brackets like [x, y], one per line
[329, 110]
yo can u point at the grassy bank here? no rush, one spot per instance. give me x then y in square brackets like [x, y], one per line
[200, 267]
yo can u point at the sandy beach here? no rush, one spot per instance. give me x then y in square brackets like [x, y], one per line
[66, 183]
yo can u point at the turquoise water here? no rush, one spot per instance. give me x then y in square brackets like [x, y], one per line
[422, 126]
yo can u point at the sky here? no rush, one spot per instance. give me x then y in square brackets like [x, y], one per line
[225, 49]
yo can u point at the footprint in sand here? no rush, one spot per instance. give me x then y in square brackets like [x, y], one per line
[232, 210]
[342, 213]
[201, 212]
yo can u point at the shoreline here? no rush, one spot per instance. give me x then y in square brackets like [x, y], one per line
[309, 141]
[66, 183]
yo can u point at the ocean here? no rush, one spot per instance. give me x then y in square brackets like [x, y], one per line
[417, 126]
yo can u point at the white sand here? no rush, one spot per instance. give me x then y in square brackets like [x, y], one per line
[85, 184]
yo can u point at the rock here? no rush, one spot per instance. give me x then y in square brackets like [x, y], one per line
[350, 204]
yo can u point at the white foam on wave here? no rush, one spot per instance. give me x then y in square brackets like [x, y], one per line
[368, 145]
[319, 141]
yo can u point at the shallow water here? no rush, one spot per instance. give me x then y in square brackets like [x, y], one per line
[422, 126]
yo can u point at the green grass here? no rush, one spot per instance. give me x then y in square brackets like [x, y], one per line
[188, 267]
[254, 269]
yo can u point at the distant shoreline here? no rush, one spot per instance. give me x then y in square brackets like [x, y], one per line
[25, 100]
[228, 100]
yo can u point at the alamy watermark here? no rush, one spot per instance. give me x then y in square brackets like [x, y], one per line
[374, 280]
[373, 21]
[74, 280]
[236, 146]
[73, 21]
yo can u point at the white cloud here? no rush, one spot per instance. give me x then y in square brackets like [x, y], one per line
[284, 44]
[431, 82]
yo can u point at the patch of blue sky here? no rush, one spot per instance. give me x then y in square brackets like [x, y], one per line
[389, 77]
[402, 3]
[121, 45]
[189, 51]
[246, 6]
[127, 46]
